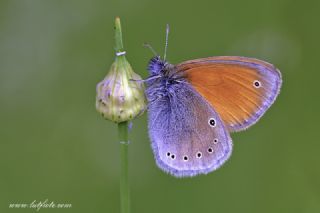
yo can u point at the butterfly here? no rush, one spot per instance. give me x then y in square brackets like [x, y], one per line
[195, 105]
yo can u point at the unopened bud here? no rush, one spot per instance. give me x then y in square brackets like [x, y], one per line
[120, 96]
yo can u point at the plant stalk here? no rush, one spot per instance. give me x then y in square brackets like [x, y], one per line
[118, 35]
[123, 138]
[124, 176]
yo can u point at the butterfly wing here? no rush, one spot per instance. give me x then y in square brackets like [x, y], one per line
[188, 137]
[240, 89]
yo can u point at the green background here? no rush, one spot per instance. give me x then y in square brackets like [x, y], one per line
[55, 146]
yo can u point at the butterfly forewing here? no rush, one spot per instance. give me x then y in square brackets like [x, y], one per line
[188, 136]
[240, 89]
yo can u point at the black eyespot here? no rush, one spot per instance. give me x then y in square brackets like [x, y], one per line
[212, 122]
[210, 150]
[199, 155]
[215, 141]
[185, 158]
[168, 154]
[173, 156]
[256, 84]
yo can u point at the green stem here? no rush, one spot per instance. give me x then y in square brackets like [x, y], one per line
[124, 177]
[118, 35]
[123, 137]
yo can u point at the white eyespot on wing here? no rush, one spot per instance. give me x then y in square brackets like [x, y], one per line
[199, 154]
[215, 141]
[257, 84]
[212, 122]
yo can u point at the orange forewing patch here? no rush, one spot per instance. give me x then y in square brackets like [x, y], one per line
[227, 87]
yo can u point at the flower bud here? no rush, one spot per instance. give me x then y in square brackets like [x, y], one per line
[120, 97]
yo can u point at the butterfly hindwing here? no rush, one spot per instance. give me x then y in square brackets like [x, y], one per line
[187, 135]
[240, 89]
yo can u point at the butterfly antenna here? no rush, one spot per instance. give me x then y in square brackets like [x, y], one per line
[166, 47]
[150, 48]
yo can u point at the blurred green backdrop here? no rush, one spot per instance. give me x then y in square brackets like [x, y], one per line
[55, 146]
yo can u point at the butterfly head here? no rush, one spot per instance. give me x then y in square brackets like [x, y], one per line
[156, 65]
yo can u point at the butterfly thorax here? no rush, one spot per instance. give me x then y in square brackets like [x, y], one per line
[165, 79]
